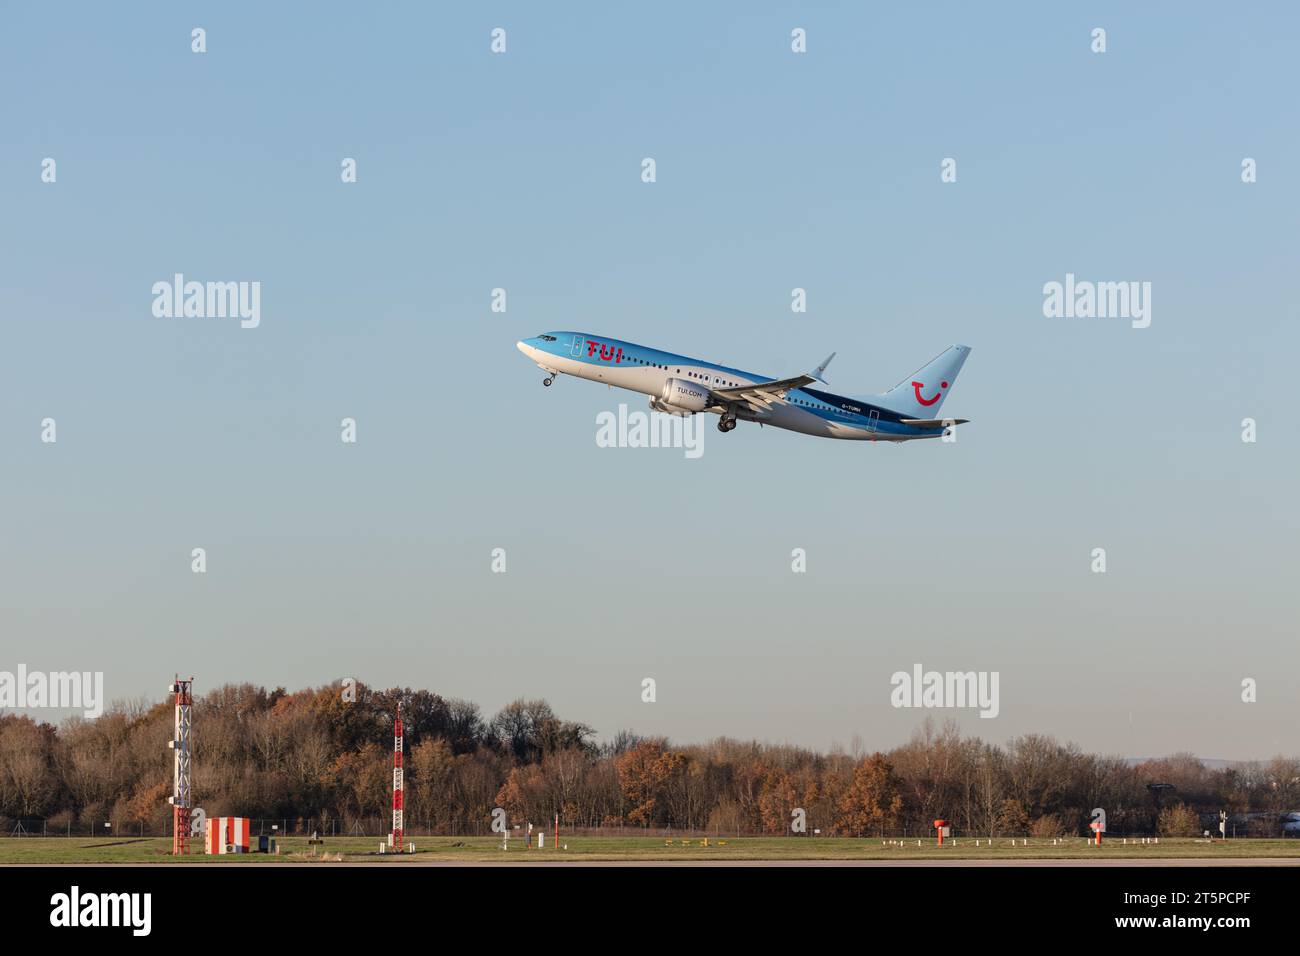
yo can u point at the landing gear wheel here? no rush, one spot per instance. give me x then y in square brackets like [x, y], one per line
[548, 380]
[726, 424]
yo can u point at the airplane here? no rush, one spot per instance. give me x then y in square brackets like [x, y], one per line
[679, 385]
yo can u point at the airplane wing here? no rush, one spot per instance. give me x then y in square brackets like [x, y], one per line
[934, 422]
[763, 395]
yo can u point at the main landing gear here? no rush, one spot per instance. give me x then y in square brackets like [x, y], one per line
[726, 424]
[548, 380]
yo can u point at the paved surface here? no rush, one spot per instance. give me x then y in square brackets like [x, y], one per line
[1170, 862]
[1248, 861]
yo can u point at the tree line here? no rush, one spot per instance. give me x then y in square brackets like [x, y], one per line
[325, 755]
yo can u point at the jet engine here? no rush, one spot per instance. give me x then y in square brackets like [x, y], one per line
[681, 397]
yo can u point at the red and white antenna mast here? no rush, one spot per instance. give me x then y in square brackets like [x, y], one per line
[398, 788]
[182, 798]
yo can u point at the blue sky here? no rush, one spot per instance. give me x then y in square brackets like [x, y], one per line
[775, 171]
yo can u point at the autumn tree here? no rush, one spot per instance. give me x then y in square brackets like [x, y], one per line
[873, 801]
[324, 753]
[644, 773]
[28, 788]
[432, 766]
[1178, 820]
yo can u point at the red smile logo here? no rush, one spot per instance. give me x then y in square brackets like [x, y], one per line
[917, 386]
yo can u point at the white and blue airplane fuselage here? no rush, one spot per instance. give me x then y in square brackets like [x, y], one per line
[680, 385]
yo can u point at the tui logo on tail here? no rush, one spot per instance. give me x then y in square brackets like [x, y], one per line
[928, 401]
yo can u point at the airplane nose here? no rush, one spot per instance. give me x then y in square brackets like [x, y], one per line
[522, 346]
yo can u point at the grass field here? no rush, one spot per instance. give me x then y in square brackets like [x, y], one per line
[76, 850]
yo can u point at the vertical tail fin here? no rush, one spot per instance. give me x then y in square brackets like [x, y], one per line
[921, 394]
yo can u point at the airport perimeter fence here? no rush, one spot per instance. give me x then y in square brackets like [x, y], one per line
[350, 827]
[347, 827]
[378, 827]
[279, 826]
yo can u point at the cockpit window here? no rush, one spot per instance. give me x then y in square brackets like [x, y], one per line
[547, 338]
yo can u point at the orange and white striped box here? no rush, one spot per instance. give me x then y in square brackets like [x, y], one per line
[227, 835]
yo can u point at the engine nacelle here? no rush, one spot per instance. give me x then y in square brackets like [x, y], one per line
[681, 397]
[658, 406]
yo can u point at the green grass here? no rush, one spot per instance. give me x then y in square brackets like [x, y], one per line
[158, 850]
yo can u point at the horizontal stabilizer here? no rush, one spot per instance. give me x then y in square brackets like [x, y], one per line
[934, 422]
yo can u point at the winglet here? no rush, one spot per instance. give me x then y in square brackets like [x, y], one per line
[817, 372]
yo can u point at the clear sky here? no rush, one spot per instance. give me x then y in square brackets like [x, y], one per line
[775, 170]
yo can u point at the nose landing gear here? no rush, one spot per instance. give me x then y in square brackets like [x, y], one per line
[548, 380]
